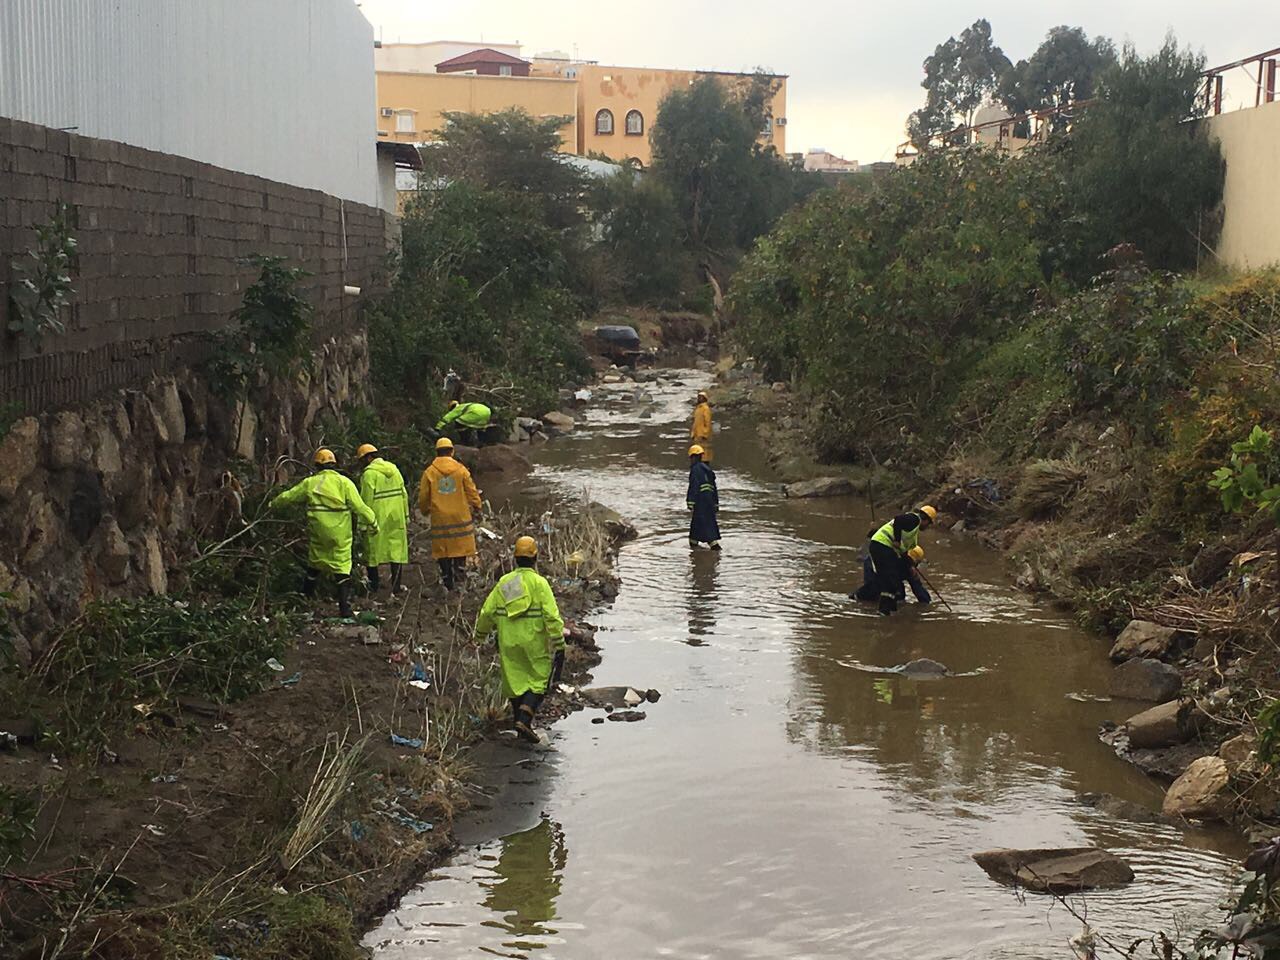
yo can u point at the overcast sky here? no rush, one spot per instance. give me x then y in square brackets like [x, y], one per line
[855, 66]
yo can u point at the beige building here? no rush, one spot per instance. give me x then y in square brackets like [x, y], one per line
[611, 110]
[1250, 140]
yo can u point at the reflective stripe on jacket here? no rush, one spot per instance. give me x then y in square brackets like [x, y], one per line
[330, 499]
[382, 489]
[702, 486]
[523, 609]
[447, 495]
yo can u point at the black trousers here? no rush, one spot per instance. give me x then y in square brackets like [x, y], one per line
[375, 579]
[312, 578]
[452, 570]
[527, 704]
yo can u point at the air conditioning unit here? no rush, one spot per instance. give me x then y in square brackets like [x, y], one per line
[387, 112]
[781, 121]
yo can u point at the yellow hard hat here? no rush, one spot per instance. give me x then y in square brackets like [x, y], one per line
[929, 512]
[696, 451]
[916, 554]
[452, 404]
[444, 443]
[325, 457]
[365, 449]
[526, 547]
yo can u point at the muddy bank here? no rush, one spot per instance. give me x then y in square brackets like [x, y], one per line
[288, 821]
[1191, 663]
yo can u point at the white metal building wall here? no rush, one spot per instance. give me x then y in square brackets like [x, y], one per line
[283, 89]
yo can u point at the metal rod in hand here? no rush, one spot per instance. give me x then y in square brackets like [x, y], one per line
[936, 592]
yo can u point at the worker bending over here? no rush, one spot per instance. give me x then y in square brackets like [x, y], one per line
[908, 575]
[703, 501]
[447, 495]
[468, 420]
[701, 431]
[890, 554]
[382, 489]
[331, 500]
[523, 609]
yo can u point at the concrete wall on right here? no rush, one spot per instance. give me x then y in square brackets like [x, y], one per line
[1251, 199]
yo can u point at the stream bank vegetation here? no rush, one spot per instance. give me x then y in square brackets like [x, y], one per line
[1043, 344]
[212, 772]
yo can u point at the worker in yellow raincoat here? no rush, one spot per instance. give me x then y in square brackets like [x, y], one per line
[331, 500]
[447, 495]
[523, 609]
[382, 488]
[700, 432]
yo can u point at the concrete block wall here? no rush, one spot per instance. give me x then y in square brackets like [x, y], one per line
[159, 261]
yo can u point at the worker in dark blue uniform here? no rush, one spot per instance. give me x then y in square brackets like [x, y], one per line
[703, 501]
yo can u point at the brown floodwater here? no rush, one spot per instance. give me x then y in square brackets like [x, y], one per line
[784, 799]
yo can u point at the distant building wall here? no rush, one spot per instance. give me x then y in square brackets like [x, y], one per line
[159, 259]
[417, 101]
[623, 91]
[280, 89]
[423, 57]
[1250, 141]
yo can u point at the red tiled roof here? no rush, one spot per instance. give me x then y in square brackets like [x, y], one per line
[485, 55]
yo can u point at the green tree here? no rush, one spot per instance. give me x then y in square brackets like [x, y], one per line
[1063, 70]
[960, 74]
[639, 232]
[1136, 170]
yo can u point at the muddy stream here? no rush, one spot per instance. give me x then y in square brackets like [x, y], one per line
[783, 799]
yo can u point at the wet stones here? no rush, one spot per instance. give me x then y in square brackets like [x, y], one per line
[1201, 792]
[1143, 639]
[558, 424]
[627, 716]
[821, 487]
[1163, 725]
[1056, 870]
[1145, 680]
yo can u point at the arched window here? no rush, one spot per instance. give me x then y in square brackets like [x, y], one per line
[604, 122]
[635, 123]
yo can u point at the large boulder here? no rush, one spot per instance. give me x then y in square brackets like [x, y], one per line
[558, 423]
[1240, 753]
[67, 446]
[1201, 792]
[1061, 870]
[1142, 638]
[1163, 725]
[618, 529]
[500, 459]
[1145, 680]
[821, 487]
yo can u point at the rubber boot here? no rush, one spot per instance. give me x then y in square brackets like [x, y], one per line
[396, 570]
[309, 580]
[524, 723]
[344, 597]
[888, 604]
[715, 544]
[375, 581]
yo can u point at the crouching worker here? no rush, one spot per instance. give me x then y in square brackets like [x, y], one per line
[889, 552]
[331, 500]
[523, 609]
[907, 575]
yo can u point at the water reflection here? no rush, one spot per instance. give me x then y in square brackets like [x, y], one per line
[702, 597]
[525, 881]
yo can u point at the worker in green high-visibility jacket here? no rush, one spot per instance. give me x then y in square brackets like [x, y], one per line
[530, 636]
[893, 550]
[331, 500]
[382, 489]
[470, 420]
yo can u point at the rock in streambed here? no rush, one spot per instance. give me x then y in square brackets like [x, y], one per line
[1056, 870]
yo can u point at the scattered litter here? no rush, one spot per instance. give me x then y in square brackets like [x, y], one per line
[583, 395]
[273, 663]
[400, 741]
[8, 741]
[567, 690]
[420, 649]
[488, 533]
[418, 673]
[165, 778]
[368, 618]
[358, 831]
[152, 829]
[413, 823]
[280, 890]
[109, 755]
[54, 762]
[291, 681]
[145, 708]
[220, 728]
[420, 684]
